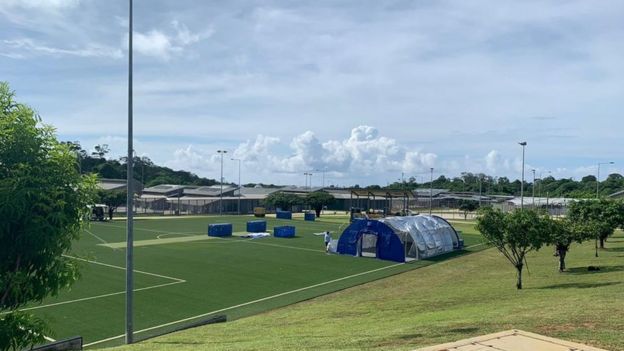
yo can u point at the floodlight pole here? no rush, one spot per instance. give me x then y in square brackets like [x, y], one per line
[533, 187]
[598, 177]
[431, 192]
[130, 194]
[239, 183]
[221, 152]
[523, 144]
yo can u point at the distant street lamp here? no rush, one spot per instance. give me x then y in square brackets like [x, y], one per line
[306, 174]
[523, 144]
[533, 187]
[239, 183]
[221, 152]
[598, 176]
[431, 192]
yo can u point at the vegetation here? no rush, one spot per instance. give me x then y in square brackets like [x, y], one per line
[602, 217]
[283, 200]
[112, 199]
[43, 198]
[453, 300]
[515, 234]
[317, 199]
[548, 186]
[565, 232]
[468, 206]
[145, 171]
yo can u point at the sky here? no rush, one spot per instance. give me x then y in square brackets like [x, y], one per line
[363, 91]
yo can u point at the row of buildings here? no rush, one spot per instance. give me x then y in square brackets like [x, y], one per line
[172, 199]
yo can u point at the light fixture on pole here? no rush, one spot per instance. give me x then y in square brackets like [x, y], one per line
[431, 192]
[239, 183]
[523, 144]
[221, 152]
[306, 174]
[129, 195]
[598, 176]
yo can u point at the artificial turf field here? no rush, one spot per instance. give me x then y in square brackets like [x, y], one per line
[178, 282]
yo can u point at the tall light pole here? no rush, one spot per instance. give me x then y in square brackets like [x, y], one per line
[523, 144]
[480, 188]
[598, 176]
[431, 192]
[533, 186]
[306, 174]
[221, 152]
[130, 194]
[239, 183]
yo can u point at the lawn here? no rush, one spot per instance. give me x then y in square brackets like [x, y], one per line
[178, 282]
[454, 299]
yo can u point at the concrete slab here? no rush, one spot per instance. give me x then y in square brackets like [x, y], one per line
[511, 340]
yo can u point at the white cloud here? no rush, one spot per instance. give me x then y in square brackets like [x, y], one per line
[40, 4]
[163, 45]
[20, 48]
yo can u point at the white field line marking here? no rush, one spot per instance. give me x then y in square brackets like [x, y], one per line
[49, 338]
[475, 245]
[95, 236]
[182, 234]
[247, 303]
[124, 268]
[100, 296]
[284, 246]
[155, 231]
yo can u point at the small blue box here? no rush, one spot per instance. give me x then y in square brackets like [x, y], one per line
[309, 216]
[286, 231]
[283, 215]
[256, 226]
[220, 229]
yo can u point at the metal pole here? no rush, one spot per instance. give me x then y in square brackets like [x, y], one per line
[598, 177]
[431, 192]
[221, 152]
[522, 181]
[533, 187]
[130, 194]
[480, 188]
[239, 183]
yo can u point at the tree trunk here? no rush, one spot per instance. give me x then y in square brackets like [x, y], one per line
[318, 212]
[562, 251]
[519, 283]
[602, 240]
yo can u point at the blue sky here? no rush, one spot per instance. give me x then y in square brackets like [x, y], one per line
[363, 89]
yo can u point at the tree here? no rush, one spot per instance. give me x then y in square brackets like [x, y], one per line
[603, 215]
[112, 199]
[285, 201]
[514, 234]
[317, 199]
[468, 206]
[100, 151]
[563, 233]
[42, 200]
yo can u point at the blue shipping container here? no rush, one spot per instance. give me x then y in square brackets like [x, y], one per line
[286, 231]
[283, 214]
[309, 216]
[256, 226]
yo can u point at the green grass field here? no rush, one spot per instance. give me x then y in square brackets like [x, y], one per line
[454, 299]
[180, 281]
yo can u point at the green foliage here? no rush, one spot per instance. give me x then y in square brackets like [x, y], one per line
[285, 201]
[43, 198]
[19, 330]
[468, 206]
[600, 217]
[515, 233]
[112, 199]
[317, 199]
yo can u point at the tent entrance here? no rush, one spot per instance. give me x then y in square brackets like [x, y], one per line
[368, 245]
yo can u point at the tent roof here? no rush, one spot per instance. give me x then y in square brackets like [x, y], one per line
[381, 193]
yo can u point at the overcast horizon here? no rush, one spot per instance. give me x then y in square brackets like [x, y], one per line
[366, 90]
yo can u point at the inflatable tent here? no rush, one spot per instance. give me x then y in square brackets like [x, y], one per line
[399, 239]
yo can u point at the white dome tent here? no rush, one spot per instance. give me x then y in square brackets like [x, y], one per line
[399, 239]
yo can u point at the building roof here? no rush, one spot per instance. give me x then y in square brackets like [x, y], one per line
[246, 192]
[116, 184]
[209, 190]
[424, 192]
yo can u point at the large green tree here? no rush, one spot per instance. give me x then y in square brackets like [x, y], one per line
[603, 215]
[317, 199]
[562, 233]
[43, 199]
[514, 234]
[283, 200]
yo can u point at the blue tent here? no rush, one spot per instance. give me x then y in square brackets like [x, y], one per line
[399, 239]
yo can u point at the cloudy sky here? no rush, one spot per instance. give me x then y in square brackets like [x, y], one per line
[365, 90]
